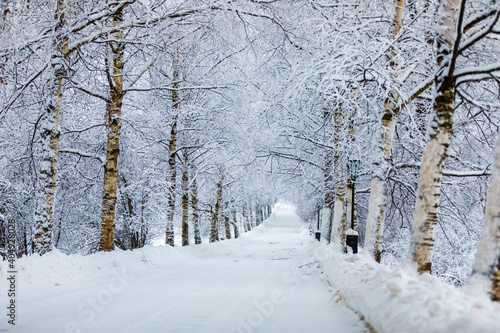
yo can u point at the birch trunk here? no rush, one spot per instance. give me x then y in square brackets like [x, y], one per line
[226, 221]
[114, 109]
[378, 194]
[194, 207]
[433, 158]
[246, 218]
[487, 261]
[338, 222]
[256, 214]
[214, 229]
[235, 225]
[185, 203]
[49, 134]
[172, 152]
[326, 228]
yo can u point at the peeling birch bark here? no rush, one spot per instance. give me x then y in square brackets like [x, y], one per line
[487, 260]
[338, 221]
[434, 156]
[114, 109]
[326, 231]
[172, 152]
[214, 228]
[235, 225]
[227, 224]
[194, 207]
[50, 128]
[185, 202]
[374, 236]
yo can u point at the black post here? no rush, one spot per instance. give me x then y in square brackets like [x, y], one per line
[352, 205]
[318, 232]
[352, 239]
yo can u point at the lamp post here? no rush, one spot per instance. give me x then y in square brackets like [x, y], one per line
[351, 234]
[317, 234]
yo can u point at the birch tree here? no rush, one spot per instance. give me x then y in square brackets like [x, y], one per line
[50, 126]
[114, 110]
[452, 42]
[378, 190]
[487, 263]
[185, 200]
[172, 153]
[194, 207]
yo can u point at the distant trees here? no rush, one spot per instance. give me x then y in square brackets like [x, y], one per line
[113, 60]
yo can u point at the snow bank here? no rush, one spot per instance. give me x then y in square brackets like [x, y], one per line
[56, 268]
[400, 300]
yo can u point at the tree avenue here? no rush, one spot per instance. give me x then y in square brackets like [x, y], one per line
[129, 123]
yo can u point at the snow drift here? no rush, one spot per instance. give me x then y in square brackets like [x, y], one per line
[397, 299]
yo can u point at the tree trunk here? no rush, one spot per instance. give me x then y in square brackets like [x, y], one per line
[226, 221]
[169, 236]
[374, 236]
[214, 230]
[172, 152]
[235, 225]
[185, 203]
[338, 221]
[329, 199]
[487, 261]
[246, 218]
[49, 133]
[433, 158]
[194, 207]
[114, 109]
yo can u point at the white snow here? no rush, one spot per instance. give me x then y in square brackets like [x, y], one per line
[274, 279]
[400, 300]
[260, 282]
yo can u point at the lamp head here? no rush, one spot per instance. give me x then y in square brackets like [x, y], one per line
[353, 166]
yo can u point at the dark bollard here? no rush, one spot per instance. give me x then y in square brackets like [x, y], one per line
[352, 242]
[318, 235]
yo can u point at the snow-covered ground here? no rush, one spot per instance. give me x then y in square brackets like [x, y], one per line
[264, 281]
[398, 299]
[273, 279]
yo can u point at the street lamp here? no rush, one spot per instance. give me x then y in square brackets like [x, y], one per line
[351, 234]
[317, 233]
[353, 166]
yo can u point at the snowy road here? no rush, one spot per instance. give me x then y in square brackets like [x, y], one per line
[261, 282]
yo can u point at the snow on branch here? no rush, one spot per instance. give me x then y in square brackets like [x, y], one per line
[169, 88]
[89, 92]
[467, 173]
[81, 154]
[488, 69]
[451, 173]
[481, 34]
[473, 20]
[23, 87]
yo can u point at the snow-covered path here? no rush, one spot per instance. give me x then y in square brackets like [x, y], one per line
[261, 282]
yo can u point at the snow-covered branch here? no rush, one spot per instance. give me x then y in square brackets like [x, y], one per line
[81, 154]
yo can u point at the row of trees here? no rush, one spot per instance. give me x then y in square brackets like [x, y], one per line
[120, 117]
[464, 85]
[145, 76]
